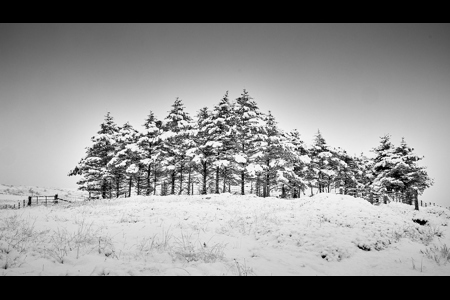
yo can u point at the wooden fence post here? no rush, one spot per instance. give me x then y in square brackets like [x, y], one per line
[18, 204]
[23, 203]
[29, 200]
[421, 204]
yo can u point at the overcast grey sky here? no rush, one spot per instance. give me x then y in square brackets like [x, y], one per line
[354, 82]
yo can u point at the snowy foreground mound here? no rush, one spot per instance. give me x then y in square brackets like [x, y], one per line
[225, 235]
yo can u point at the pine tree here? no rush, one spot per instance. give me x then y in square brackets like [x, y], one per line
[320, 173]
[176, 140]
[383, 164]
[301, 162]
[93, 167]
[221, 119]
[363, 173]
[150, 144]
[204, 151]
[247, 129]
[125, 164]
[408, 172]
[276, 157]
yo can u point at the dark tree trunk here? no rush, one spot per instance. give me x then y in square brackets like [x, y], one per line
[129, 187]
[204, 174]
[181, 180]
[104, 187]
[264, 187]
[164, 189]
[217, 180]
[149, 187]
[189, 181]
[283, 192]
[257, 185]
[138, 185]
[117, 186]
[242, 182]
[224, 181]
[172, 191]
[416, 199]
[154, 181]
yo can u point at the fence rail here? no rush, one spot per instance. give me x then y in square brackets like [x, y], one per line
[34, 201]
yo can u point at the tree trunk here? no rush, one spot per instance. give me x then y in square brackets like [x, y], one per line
[267, 185]
[129, 187]
[242, 182]
[224, 181]
[148, 180]
[257, 185]
[172, 191]
[181, 180]
[204, 174]
[217, 180]
[104, 189]
[138, 185]
[283, 192]
[154, 181]
[163, 189]
[189, 181]
[118, 186]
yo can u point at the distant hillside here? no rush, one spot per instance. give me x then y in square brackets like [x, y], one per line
[10, 194]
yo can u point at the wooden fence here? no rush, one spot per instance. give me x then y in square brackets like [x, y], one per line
[35, 200]
[386, 197]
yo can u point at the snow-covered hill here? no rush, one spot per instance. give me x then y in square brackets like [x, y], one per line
[225, 234]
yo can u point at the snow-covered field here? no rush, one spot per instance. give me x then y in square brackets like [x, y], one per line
[225, 234]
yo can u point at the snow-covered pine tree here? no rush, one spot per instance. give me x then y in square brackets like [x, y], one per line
[176, 140]
[126, 160]
[247, 130]
[150, 143]
[383, 164]
[320, 173]
[301, 161]
[220, 130]
[275, 158]
[399, 171]
[345, 168]
[204, 151]
[96, 179]
[363, 172]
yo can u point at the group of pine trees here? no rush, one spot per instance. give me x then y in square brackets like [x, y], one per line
[235, 145]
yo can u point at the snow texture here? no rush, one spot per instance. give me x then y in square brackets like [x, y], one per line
[224, 234]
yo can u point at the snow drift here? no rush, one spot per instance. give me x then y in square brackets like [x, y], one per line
[224, 234]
